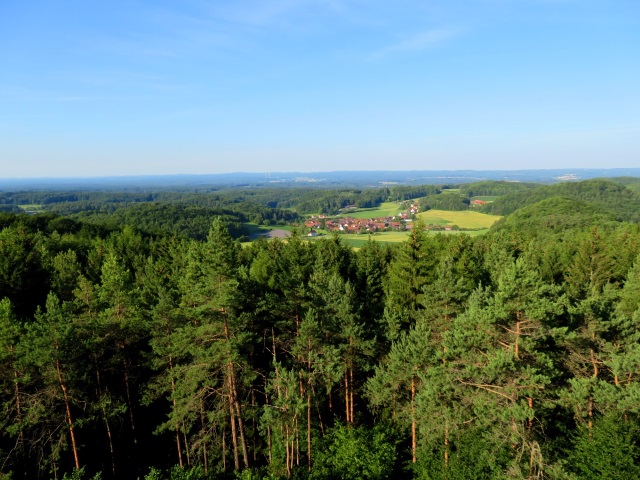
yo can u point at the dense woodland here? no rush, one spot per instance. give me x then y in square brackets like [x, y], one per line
[136, 352]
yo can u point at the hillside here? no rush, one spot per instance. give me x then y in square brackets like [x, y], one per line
[605, 196]
[552, 215]
[632, 183]
[495, 188]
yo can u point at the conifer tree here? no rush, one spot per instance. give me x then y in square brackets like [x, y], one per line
[12, 379]
[501, 354]
[410, 270]
[51, 354]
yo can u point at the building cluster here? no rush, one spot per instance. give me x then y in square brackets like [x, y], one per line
[397, 223]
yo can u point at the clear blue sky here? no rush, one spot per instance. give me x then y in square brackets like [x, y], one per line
[120, 87]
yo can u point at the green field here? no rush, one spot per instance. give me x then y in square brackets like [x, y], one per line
[477, 223]
[31, 208]
[387, 209]
[464, 219]
[356, 240]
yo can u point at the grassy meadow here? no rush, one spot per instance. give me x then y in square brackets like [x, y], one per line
[31, 208]
[464, 219]
[386, 209]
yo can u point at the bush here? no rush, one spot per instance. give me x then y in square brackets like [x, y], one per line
[352, 453]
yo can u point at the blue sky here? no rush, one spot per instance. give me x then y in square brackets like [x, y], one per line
[121, 87]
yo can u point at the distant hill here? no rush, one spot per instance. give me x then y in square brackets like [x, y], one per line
[552, 215]
[495, 188]
[311, 179]
[632, 183]
[607, 197]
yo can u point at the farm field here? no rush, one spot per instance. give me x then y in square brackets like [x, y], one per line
[386, 209]
[31, 208]
[464, 219]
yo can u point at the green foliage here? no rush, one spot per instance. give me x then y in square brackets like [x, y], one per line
[610, 449]
[256, 474]
[355, 453]
[605, 196]
[509, 356]
[452, 202]
[552, 215]
[472, 456]
[79, 475]
[494, 188]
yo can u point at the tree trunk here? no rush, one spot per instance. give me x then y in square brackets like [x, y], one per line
[186, 445]
[309, 430]
[129, 400]
[111, 450]
[351, 415]
[205, 457]
[16, 391]
[178, 447]
[67, 405]
[446, 445]
[594, 362]
[234, 436]
[224, 449]
[346, 397]
[286, 445]
[414, 441]
[105, 417]
[235, 404]
[309, 404]
[253, 424]
[243, 439]
[173, 400]
[516, 350]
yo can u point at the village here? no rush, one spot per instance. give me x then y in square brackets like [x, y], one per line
[403, 221]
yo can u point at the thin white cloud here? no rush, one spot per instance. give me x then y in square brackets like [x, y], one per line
[418, 42]
[268, 13]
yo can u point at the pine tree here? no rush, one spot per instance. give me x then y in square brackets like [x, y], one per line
[502, 352]
[409, 271]
[213, 369]
[397, 380]
[12, 379]
[52, 357]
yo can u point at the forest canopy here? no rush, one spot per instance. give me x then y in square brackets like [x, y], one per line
[131, 350]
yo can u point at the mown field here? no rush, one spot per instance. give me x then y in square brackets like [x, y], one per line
[463, 219]
[386, 209]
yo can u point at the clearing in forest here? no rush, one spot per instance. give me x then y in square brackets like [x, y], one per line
[465, 219]
[386, 209]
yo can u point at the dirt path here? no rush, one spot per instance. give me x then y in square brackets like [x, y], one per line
[273, 234]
